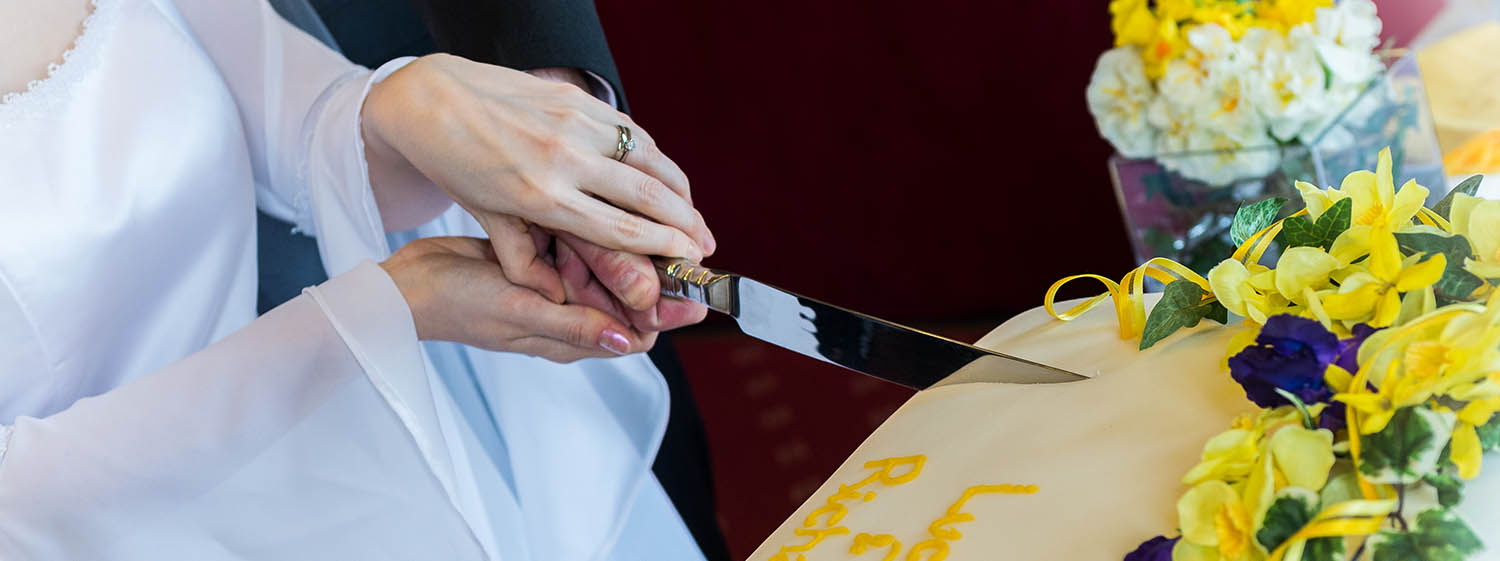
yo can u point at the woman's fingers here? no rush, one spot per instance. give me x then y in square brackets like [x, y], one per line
[516, 250]
[649, 158]
[632, 189]
[581, 326]
[607, 225]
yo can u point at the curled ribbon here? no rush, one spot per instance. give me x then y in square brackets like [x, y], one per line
[1348, 518]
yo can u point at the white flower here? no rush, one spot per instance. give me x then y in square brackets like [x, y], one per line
[1207, 122]
[1346, 36]
[1118, 95]
[1288, 85]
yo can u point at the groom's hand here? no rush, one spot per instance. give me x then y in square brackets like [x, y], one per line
[623, 282]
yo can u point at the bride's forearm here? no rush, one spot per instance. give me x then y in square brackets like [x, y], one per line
[406, 197]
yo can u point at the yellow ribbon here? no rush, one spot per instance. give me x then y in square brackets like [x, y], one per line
[1128, 294]
[1430, 218]
[1348, 518]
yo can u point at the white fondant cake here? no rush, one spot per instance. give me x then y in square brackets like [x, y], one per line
[1106, 455]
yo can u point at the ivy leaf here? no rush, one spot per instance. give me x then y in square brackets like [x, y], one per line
[1299, 231]
[1294, 508]
[1468, 187]
[1489, 434]
[1438, 535]
[1408, 448]
[1254, 217]
[1456, 284]
[1448, 486]
[1181, 305]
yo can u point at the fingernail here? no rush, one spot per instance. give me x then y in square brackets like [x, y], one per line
[614, 342]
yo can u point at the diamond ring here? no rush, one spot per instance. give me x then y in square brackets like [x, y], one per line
[625, 145]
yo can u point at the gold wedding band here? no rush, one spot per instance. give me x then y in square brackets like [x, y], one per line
[625, 145]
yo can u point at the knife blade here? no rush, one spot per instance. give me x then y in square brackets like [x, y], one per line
[859, 342]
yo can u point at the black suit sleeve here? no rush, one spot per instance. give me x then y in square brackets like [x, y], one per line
[523, 35]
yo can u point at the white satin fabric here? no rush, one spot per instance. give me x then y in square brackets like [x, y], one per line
[319, 431]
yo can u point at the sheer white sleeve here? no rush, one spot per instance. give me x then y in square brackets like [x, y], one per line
[278, 442]
[299, 103]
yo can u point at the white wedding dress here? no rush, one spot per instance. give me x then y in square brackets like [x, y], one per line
[146, 414]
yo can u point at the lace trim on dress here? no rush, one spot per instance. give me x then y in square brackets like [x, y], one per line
[45, 92]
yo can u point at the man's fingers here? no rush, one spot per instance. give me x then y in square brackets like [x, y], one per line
[522, 264]
[632, 189]
[606, 225]
[629, 277]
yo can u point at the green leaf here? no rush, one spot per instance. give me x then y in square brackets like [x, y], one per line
[1489, 434]
[1182, 305]
[1407, 448]
[1456, 284]
[1299, 231]
[1438, 535]
[1468, 187]
[1448, 486]
[1294, 508]
[1253, 218]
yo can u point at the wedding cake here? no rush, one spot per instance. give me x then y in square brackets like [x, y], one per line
[1087, 470]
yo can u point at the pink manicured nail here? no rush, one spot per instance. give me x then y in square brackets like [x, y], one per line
[614, 342]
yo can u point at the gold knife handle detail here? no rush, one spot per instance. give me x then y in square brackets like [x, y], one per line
[684, 279]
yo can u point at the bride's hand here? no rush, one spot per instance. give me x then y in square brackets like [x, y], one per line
[514, 149]
[457, 292]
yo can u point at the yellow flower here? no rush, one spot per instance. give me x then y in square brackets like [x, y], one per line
[1373, 295]
[1247, 291]
[1376, 201]
[1132, 22]
[1302, 268]
[1212, 516]
[1283, 15]
[1466, 451]
[1396, 391]
[1479, 220]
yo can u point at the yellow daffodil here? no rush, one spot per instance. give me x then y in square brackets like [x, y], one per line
[1376, 200]
[1218, 523]
[1373, 295]
[1479, 220]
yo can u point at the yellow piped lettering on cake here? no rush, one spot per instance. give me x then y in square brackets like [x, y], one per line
[936, 547]
[864, 542]
[886, 472]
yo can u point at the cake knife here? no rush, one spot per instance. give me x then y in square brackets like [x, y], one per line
[862, 343]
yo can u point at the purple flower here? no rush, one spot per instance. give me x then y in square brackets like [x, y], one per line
[1290, 354]
[1349, 348]
[1158, 548]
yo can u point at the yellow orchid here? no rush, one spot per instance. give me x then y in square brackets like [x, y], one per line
[1396, 391]
[1277, 434]
[1466, 452]
[1376, 200]
[1373, 295]
[1478, 220]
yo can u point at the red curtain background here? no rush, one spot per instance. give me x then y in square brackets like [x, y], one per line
[928, 162]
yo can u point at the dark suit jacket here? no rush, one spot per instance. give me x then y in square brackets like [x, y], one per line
[520, 35]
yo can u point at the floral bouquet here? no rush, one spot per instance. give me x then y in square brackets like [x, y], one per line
[1373, 350]
[1229, 78]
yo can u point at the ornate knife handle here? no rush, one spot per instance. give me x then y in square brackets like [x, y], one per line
[690, 281]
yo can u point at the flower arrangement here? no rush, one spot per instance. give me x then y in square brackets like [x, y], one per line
[1220, 76]
[1373, 350]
